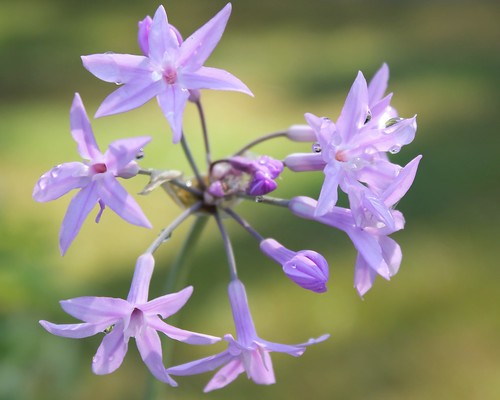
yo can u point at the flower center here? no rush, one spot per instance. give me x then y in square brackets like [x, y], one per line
[170, 76]
[99, 168]
[341, 155]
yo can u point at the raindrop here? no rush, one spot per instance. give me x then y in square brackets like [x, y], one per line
[167, 238]
[394, 149]
[368, 117]
[393, 121]
[259, 199]
[54, 172]
[109, 329]
[316, 148]
[140, 155]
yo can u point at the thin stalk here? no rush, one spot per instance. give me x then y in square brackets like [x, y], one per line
[229, 249]
[165, 233]
[190, 159]
[259, 140]
[244, 224]
[265, 200]
[208, 155]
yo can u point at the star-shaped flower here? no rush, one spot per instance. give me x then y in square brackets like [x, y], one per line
[248, 353]
[96, 178]
[169, 71]
[122, 319]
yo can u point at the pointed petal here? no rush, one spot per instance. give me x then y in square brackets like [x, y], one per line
[161, 38]
[122, 151]
[143, 34]
[355, 110]
[378, 85]
[111, 352]
[245, 328]
[82, 131]
[388, 139]
[117, 68]
[138, 293]
[79, 207]
[364, 276]
[213, 78]
[261, 368]
[172, 102]
[378, 175]
[116, 197]
[131, 95]
[202, 365]
[225, 375]
[60, 180]
[149, 345]
[324, 129]
[392, 253]
[329, 191]
[378, 209]
[293, 350]
[180, 334]
[74, 331]
[398, 188]
[197, 48]
[96, 309]
[169, 304]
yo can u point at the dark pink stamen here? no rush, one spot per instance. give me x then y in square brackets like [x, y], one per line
[100, 168]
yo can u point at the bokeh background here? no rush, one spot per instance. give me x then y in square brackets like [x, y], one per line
[430, 333]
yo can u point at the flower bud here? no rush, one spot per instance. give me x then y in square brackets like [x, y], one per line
[306, 268]
[143, 35]
[301, 133]
[301, 162]
[261, 184]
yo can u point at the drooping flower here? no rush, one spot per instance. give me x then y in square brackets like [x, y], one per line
[169, 70]
[353, 150]
[96, 178]
[306, 268]
[377, 253]
[122, 319]
[247, 353]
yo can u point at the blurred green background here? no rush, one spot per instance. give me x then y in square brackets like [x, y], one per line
[430, 333]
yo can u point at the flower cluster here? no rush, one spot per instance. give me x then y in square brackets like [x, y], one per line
[353, 152]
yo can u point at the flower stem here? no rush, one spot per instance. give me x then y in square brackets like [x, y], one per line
[208, 155]
[190, 159]
[165, 233]
[259, 140]
[229, 248]
[244, 224]
[265, 200]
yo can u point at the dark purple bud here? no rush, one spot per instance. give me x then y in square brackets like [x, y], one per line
[261, 184]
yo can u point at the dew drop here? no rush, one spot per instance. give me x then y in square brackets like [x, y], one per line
[316, 148]
[259, 199]
[394, 149]
[54, 172]
[368, 117]
[140, 155]
[392, 121]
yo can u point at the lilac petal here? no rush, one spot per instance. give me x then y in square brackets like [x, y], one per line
[143, 34]
[378, 209]
[122, 151]
[225, 375]
[329, 191]
[180, 334]
[75, 331]
[96, 309]
[138, 293]
[111, 352]
[324, 128]
[172, 102]
[161, 38]
[378, 85]
[398, 188]
[202, 365]
[364, 276]
[149, 345]
[293, 350]
[82, 131]
[245, 328]
[79, 207]
[116, 197]
[392, 253]
[355, 110]
[60, 180]
[382, 111]
[322, 338]
[389, 139]
[132, 95]
[169, 304]
[213, 78]
[197, 48]
[378, 175]
[101, 210]
[261, 368]
[117, 68]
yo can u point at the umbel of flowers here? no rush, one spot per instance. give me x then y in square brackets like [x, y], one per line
[353, 152]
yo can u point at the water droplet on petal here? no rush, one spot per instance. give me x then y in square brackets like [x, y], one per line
[140, 155]
[316, 148]
[54, 172]
[368, 117]
[392, 121]
[259, 199]
[394, 149]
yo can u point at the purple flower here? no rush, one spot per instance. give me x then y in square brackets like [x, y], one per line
[122, 319]
[353, 150]
[168, 71]
[248, 353]
[263, 172]
[96, 178]
[377, 253]
[306, 268]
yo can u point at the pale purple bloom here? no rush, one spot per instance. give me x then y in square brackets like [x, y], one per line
[306, 268]
[122, 319]
[96, 178]
[377, 253]
[248, 353]
[168, 71]
[352, 150]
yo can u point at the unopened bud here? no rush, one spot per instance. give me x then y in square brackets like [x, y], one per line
[301, 133]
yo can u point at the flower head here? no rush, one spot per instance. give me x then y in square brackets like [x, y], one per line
[96, 177]
[135, 317]
[169, 69]
[247, 353]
